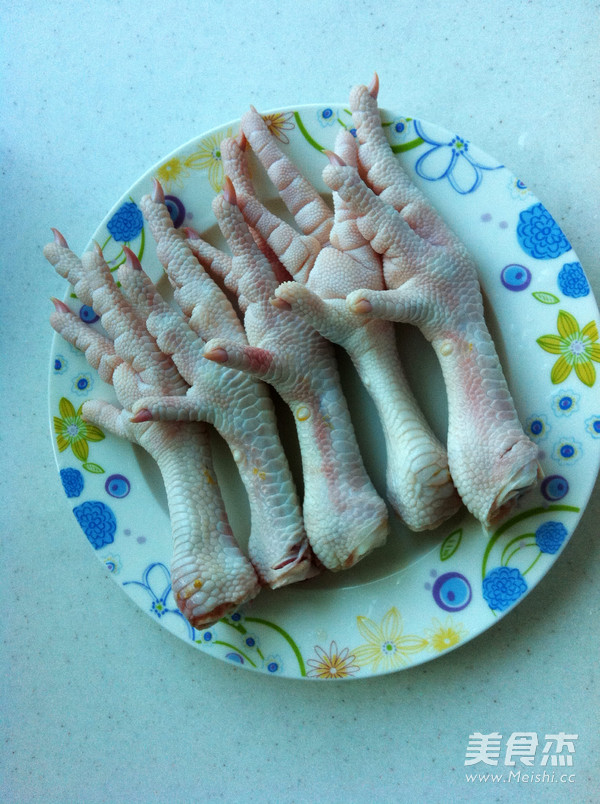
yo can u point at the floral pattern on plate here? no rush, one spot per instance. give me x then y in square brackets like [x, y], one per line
[397, 608]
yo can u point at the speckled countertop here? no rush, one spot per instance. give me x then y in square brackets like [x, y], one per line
[101, 704]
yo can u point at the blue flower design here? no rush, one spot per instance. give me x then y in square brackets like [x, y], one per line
[97, 521]
[572, 280]
[550, 536]
[326, 117]
[400, 129]
[156, 582]
[83, 384]
[539, 235]
[450, 160]
[592, 426]
[565, 403]
[518, 188]
[537, 426]
[60, 364]
[251, 640]
[503, 586]
[567, 451]
[126, 223]
[158, 607]
[273, 664]
[72, 481]
[113, 564]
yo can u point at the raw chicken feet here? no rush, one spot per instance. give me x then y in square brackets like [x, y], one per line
[382, 255]
[237, 405]
[344, 517]
[210, 575]
[432, 282]
[329, 260]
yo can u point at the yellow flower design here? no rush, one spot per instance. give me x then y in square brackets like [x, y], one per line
[278, 123]
[172, 171]
[577, 349]
[72, 431]
[208, 157]
[386, 646]
[445, 635]
[335, 664]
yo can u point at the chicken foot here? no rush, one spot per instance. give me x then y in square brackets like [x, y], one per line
[209, 573]
[344, 517]
[328, 261]
[432, 282]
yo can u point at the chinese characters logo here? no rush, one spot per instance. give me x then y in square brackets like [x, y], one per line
[521, 751]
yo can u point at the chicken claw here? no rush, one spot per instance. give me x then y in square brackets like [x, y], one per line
[329, 260]
[209, 573]
[432, 282]
[237, 405]
[344, 517]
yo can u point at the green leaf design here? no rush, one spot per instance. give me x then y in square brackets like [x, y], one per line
[142, 244]
[514, 521]
[94, 468]
[386, 123]
[450, 544]
[402, 147]
[545, 298]
[287, 638]
[524, 540]
[302, 129]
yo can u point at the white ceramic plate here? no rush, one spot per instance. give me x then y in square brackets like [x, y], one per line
[422, 594]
